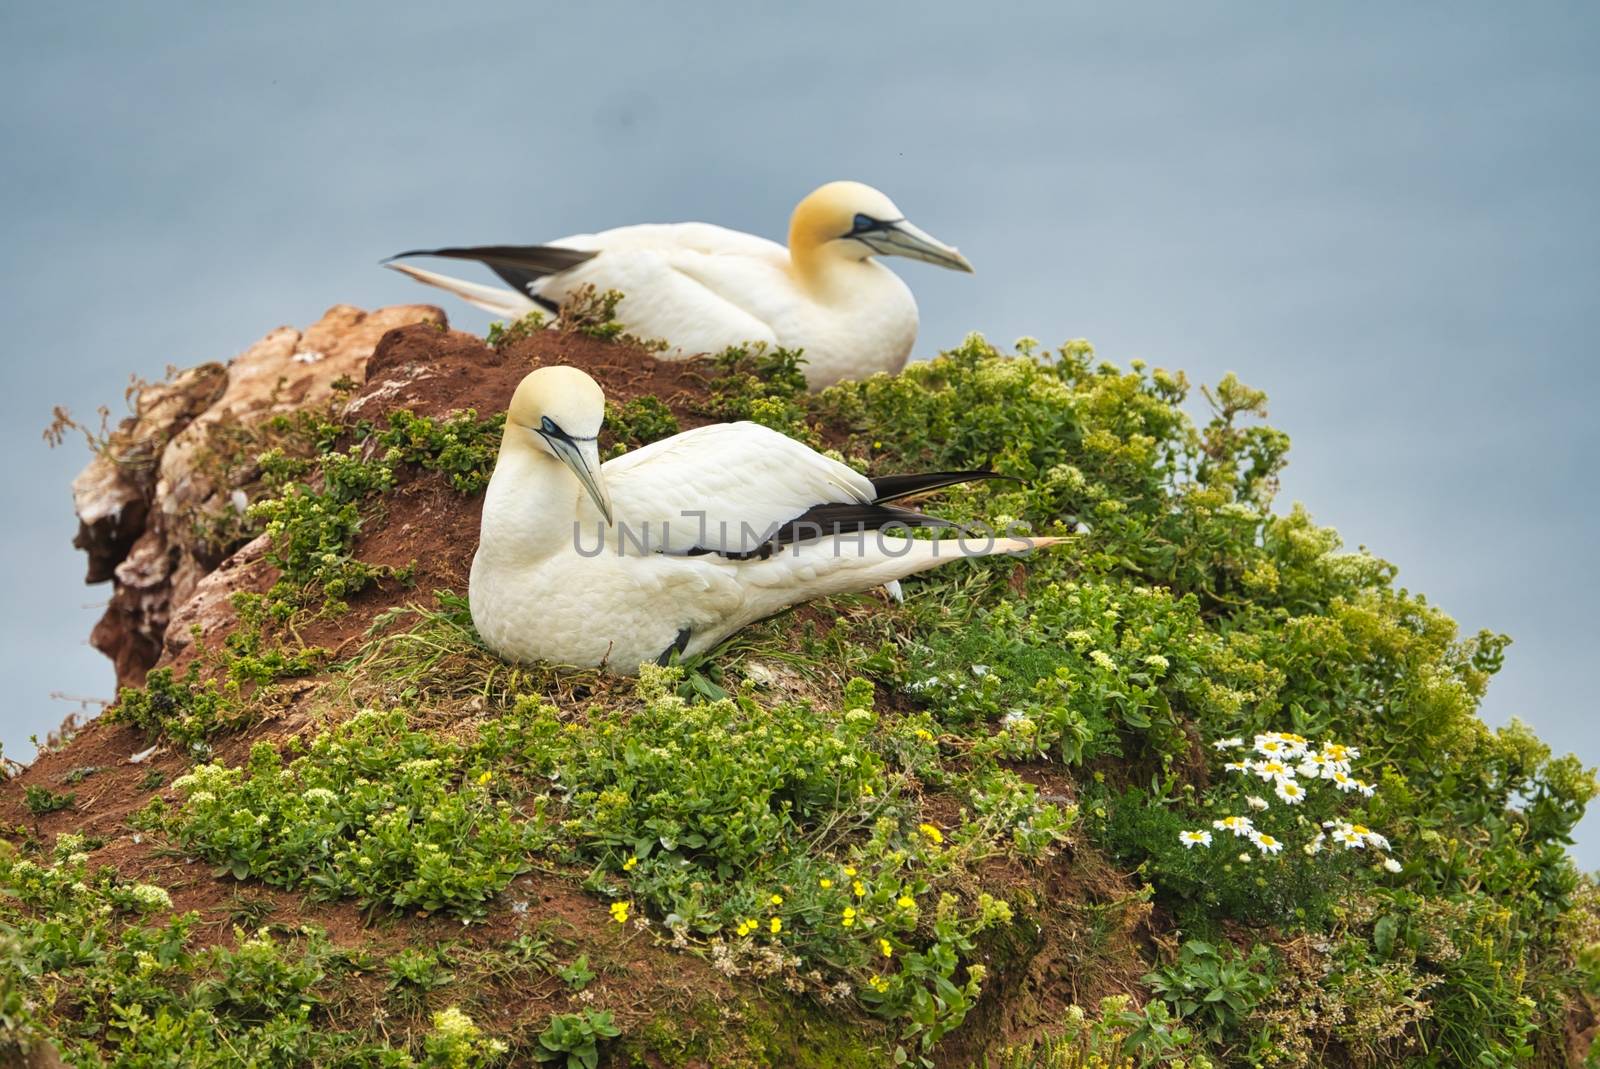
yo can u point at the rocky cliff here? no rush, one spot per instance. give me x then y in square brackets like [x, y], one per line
[153, 506]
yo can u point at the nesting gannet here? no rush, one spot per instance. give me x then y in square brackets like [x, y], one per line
[703, 288]
[677, 545]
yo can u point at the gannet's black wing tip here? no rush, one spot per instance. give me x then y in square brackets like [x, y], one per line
[831, 519]
[520, 266]
[892, 487]
[541, 259]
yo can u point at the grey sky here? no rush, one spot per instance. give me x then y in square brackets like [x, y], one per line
[1386, 218]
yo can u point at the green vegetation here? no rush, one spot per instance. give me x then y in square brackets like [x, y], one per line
[1202, 726]
[502, 334]
[371, 810]
[575, 1038]
[41, 800]
[638, 422]
[130, 984]
[461, 446]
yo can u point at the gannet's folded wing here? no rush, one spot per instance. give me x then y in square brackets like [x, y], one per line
[731, 488]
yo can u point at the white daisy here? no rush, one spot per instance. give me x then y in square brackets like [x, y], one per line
[1348, 836]
[1333, 751]
[1191, 839]
[1367, 790]
[1240, 826]
[1269, 745]
[1270, 770]
[1256, 803]
[1391, 864]
[1290, 791]
[1230, 743]
[1370, 836]
[1342, 780]
[1237, 766]
[1266, 843]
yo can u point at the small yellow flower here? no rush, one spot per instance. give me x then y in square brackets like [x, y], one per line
[906, 902]
[866, 790]
[776, 926]
[619, 912]
[824, 883]
[628, 865]
[483, 780]
[859, 889]
[776, 900]
[849, 916]
[849, 870]
[924, 734]
[934, 834]
[878, 984]
[887, 950]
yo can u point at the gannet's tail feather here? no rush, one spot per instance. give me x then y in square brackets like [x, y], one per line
[491, 299]
[536, 260]
[907, 556]
[522, 266]
[852, 563]
[893, 487]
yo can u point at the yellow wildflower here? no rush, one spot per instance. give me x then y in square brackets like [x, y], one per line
[906, 902]
[849, 916]
[619, 912]
[849, 870]
[776, 900]
[628, 865]
[934, 834]
[883, 945]
[483, 780]
[878, 984]
[776, 926]
[824, 883]
[859, 889]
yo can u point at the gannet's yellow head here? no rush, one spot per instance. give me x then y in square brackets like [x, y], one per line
[559, 410]
[853, 221]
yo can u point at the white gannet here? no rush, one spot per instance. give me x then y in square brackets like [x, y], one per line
[703, 288]
[677, 545]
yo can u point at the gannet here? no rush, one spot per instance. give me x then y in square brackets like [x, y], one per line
[703, 288]
[677, 545]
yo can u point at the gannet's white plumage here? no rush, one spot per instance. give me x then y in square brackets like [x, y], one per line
[703, 288]
[671, 546]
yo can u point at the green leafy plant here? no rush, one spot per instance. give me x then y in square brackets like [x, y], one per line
[1213, 988]
[576, 974]
[42, 800]
[575, 1038]
[372, 810]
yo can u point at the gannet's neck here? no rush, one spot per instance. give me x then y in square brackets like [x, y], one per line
[531, 505]
[828, 276]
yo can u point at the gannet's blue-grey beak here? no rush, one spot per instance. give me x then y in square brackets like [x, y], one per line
[899, 237]
[582, 455]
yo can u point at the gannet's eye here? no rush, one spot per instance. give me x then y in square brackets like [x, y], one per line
[863, 223]
[548, 426]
